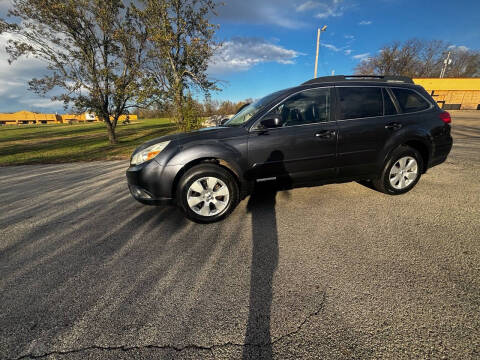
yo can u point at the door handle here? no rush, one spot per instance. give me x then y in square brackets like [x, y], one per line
[393, 126]
[325, 134]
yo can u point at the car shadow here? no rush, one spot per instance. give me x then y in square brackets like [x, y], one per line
[261, 205]
[368, 184]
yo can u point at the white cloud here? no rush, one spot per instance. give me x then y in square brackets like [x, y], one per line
[365, 22]
[240, 54]
[331, 47]
[41, 103]
[349, 37]
[334, 9]
[346, 50]
[363, 56]
[331, 8]
[271, 12]
[14, 93]
[284, 13]
[4, 6]
[461, 48]
[309, 5]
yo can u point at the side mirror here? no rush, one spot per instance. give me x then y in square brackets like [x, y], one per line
[271, 121]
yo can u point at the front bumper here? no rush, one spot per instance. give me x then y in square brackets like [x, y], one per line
[151, 183]
[142, 196]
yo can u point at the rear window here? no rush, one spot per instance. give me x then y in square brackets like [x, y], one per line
[410, 101]
[360, 102]
[388, 104]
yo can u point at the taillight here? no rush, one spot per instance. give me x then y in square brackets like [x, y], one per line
[445, 117]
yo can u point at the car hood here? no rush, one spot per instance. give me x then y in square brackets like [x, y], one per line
[210, 133]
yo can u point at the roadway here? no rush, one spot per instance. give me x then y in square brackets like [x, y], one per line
[334, 272]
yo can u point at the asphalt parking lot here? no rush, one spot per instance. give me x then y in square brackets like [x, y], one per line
[333, 272]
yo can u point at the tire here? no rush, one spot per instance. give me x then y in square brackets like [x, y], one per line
[207, 193]
[400, 174]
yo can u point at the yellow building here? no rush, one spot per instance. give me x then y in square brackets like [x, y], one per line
[453, 93]
[28, 117]
[89, 117]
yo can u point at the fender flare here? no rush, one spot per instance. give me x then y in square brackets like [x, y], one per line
[405, 136]
[226, 156]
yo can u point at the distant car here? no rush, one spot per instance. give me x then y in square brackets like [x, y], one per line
[384, 129]
[224, 121]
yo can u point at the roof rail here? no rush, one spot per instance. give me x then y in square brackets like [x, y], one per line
[379, 78]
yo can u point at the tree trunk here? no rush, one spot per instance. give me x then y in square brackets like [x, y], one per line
[112, 137]
[179, 105]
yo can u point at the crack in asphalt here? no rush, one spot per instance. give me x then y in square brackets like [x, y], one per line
[210, 348]
[307, 318]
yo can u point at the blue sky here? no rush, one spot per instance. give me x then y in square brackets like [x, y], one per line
[270, 44]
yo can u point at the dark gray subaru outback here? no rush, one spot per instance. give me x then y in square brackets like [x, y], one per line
[384, 129]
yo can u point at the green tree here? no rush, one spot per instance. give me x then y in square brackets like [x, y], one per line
[192, 112]
[181, 43]
[95, 51]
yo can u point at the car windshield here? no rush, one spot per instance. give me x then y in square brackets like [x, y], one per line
[250, 110]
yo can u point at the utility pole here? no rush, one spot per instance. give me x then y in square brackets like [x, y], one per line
[446, 62]
[318, 47]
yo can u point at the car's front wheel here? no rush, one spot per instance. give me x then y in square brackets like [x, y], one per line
[207, 193]
[401, 172]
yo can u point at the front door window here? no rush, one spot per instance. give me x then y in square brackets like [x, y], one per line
[306, 107]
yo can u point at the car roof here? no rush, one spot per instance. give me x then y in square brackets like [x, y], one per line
[389, 79]
[355, 80]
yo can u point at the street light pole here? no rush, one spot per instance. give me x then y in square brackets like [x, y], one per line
[318, 47]
[446, 62]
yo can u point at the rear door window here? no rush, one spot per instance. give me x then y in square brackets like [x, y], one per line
[360, 102]
[409, 100]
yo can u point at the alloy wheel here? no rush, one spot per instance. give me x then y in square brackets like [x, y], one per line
[208, 196]
[403, 173]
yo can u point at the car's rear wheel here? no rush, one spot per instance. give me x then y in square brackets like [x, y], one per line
[207, 193]
[401, 172]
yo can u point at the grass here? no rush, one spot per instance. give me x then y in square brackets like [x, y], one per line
[47, 144]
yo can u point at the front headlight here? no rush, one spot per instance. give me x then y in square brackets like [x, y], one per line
[148, 153]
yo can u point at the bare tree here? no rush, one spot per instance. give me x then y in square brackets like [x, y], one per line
[420, 58]
[94, 49]
[464, 63]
